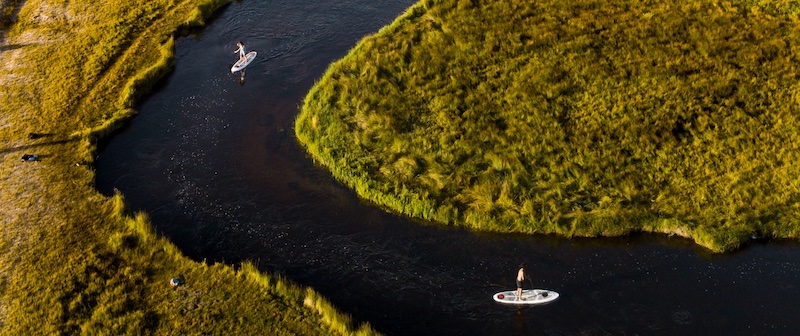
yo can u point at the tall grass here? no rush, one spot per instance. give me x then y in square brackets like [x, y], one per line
[586, 117]
[73, 261]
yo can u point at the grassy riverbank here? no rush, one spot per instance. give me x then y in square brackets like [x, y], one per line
[577, 118]
[72, 260]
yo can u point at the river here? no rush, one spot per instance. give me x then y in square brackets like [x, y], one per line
[215, 164]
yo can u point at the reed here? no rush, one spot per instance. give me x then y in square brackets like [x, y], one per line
[577, 118]
[74, 261]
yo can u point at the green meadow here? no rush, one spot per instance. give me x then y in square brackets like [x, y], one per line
[575, 118]
[73, 261]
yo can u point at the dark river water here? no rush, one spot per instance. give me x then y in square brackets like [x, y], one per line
[216, 165]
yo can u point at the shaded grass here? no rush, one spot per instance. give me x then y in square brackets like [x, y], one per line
[74, 261]
[580, 118]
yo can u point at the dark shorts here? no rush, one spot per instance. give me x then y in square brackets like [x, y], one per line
[519, 284]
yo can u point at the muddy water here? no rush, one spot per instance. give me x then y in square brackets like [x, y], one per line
[215, 164]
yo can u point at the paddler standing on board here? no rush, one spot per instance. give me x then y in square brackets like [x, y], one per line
[241, 50]
[521, 276]
[242, 56]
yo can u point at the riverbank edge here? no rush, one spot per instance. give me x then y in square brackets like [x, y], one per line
[415, 205]
[125, 238]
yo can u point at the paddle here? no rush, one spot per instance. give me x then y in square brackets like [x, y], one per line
[535, 295]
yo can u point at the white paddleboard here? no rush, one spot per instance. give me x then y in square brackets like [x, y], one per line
[529, 297]
[244, 62]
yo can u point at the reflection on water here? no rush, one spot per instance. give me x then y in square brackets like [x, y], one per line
[241, 76]
[216, 166]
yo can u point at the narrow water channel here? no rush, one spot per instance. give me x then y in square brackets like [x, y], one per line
[215, 164]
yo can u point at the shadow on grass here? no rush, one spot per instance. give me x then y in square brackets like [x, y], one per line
[7, 20]
[11, 47]
[11, 150]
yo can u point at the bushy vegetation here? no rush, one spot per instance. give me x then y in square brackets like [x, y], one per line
[587, 117]
[73, 261]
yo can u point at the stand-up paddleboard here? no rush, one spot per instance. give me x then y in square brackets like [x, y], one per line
[244, 62]
[529, 297]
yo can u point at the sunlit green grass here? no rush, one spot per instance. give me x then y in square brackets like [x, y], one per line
[74, 261]
[580, 118]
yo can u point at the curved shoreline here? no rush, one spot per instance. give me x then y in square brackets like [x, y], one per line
[411, 119]
[74, 260]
